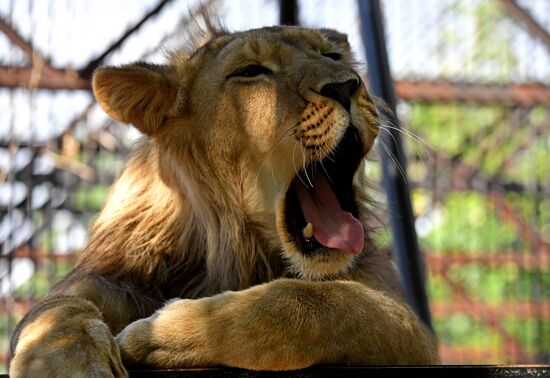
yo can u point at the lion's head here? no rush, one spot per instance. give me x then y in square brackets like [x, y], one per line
[267, 127]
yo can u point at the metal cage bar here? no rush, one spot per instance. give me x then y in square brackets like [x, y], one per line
[405, 246]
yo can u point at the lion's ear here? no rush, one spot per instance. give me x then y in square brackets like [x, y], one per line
[337, 38]
[141, 94]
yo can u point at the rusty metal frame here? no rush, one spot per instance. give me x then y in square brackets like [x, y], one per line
[524, 18]
[40, 74]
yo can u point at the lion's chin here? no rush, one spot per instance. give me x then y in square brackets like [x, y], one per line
[327, 263]
[320, 217]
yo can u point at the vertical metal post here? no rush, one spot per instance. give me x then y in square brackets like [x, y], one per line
[288, 12]
[405, 246]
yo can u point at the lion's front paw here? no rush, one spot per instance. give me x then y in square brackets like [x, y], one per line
[173, 337]
[88, 350]
[135, 342]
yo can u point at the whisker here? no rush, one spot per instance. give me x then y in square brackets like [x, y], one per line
[414, 137]
[294, 163]
[391, 136]
[390, 123]
[284, 134]
[304, 164]
[409, 134]
[325, 170]
[394, 159]
[273, 176]
[330, 156]
[259, 171]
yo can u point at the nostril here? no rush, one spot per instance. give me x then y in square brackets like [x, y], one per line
[341, 92]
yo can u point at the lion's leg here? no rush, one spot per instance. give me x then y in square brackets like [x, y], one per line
[71, 331]
[285, 324]
[64, 336]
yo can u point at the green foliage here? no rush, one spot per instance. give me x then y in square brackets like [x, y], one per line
[497, 285]
[470, 132]
[475, 39]
[109, 162]
[463, 331]
[439, 289]
[535, 160]
[492, 48]
[498, 144]
[533, 207]
[469, 225]
[529, 332]
[90, 197]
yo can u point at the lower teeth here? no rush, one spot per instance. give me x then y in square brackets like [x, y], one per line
[307, 232]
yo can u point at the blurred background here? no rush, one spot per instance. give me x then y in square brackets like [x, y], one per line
[472, 79]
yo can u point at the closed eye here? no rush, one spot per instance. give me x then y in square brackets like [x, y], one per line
[334, 56]
[251, 70]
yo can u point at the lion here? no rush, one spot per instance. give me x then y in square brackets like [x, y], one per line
[237, 233]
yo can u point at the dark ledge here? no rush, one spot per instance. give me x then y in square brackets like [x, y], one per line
[443, 371]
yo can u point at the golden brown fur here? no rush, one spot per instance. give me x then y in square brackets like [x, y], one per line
[200, 212]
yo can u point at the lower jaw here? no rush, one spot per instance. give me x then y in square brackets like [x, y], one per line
[325, 263]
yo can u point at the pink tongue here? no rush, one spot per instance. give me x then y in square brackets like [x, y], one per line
[332, 227]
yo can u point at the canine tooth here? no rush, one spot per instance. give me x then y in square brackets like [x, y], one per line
[308, 231]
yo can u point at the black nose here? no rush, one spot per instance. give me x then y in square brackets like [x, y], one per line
[341, 92]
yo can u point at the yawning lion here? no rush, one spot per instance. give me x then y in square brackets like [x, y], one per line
[246, 200]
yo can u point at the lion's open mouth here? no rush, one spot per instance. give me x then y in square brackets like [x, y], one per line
[320, 209]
